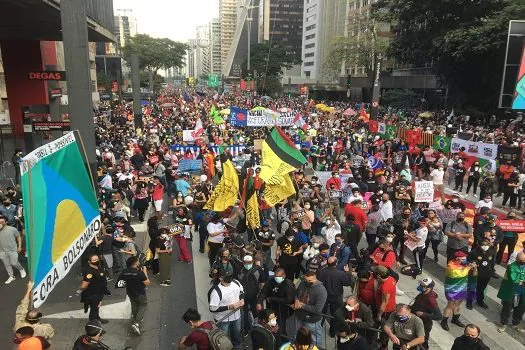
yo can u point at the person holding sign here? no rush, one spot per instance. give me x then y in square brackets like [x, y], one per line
[419, 238]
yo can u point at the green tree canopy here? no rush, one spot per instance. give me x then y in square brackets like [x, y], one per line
[155, 53]
[464, 41]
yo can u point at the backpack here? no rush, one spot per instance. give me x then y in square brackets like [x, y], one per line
[218, 290]
[391, 272]
[140, 255]
[280, 225]
[269, 338]
[217, 339]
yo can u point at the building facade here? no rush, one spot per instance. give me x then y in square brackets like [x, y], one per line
[191, 66]
[215, 46]
[125, 26]
[228, 20]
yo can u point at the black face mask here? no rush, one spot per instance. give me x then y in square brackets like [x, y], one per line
[460, 219]
[309, 284]
[406, 216]
[471, 340]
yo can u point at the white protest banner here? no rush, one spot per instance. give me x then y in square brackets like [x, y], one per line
[268, 117]
[424, 191]
[187, 135]
[475, 149]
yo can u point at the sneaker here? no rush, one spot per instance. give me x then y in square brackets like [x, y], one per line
[9, 280]
[517, 328]
[165, 284]
[135, 328]
[482, 304]
[469, 305]
[104, 321]
[189, 262]
[502, 328]
[23, 273]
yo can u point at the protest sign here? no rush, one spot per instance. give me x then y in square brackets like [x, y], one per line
[424, 192]
[512, 225]
[447, 215]
[475, 149]
[187, 135]
[267, 118]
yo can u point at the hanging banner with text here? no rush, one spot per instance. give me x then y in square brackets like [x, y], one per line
[424, 192]
[268, 117]
[475, 149]
[512, 225]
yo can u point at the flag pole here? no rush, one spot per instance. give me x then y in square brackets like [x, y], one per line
[85, 157]
[30, 231]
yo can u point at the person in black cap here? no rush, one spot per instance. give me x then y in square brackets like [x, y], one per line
[93, 288]
[91, 340]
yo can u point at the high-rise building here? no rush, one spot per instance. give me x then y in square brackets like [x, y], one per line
[125, 26]
[228, 20]
[191, 66]
[215, 46]
[322, 22]
[286, 22]
[203, 57]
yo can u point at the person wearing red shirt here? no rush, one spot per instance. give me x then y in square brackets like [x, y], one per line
[506, 171]
[359, 214]
[385, 298]
[157, 196]
[197, 336]
[365, 288]
[335, 180]
[383, 255]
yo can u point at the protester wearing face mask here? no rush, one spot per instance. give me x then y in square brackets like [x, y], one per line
[265, 332]
[510, 239]
[456, 287]
[384, 255]
[348, 338]
[343, 253]
[455, 203]
[459, 233]
[404, 329]
[470, 340]
[425, 306]
[437, 176]
[512, 294]
[334, 180]
[307, 219]
[331, 228]
[288, 248]
[93, 288]
[353, 313]
[91, 339]
[226, 296]
[251, 278]
[482, 256]
[279, 294]
[319, 261]
[196, 336]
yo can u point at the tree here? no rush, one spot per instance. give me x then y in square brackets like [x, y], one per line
[144, 79]
[155, 53]
[267, 64]
[364, 46]
[463, 40]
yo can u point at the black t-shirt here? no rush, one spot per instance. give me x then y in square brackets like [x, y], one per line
[287, 249]
[106, 246]
[86, 343]
[265, 237]
[134, 282]
[97, 281]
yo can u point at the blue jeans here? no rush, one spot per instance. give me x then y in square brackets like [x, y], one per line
[233, 330]
[316, 328]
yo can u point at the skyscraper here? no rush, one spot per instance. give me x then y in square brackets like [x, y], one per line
[125, 26]
[227, 19]
[203, 53]
[191, 69]
[215, 46]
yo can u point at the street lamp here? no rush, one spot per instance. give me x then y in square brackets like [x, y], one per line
[249, 19]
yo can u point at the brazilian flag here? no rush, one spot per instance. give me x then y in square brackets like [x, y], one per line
[442, 143]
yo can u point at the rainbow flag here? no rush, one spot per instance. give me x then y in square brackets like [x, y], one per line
[456, 281]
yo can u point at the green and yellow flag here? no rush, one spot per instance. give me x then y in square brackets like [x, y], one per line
[253, 218]
[279, 157]
[442, 143]
[227, 190]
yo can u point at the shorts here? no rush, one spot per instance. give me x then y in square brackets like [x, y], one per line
[158, 204]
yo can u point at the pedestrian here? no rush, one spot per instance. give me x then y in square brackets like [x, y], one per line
[405, 330]
[31, 318]
[26, 339]
[304, 339]
[481, 255]
[474, 174]
[226, 301]
[265, 331]
[435, 234]
[512, 294]
[385, 298]
[163, 249]
[309, 302]
[135, 279]
[183, 219]
[470, 340]
[354, 312]
[343, 253]
[425, 307]
[319, 261]
[418, 238]
[457, 287]
[459, 233]
[252, 279]
[91, 339]
[93, 288]
[198, 335]
[348, 338]
[288, 248]
[157, 196]
[216, 232]
[10, 247]
[105, 249]
[510, 238]
[279, 294]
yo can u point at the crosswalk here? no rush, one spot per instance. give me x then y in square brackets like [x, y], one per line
[486, 319]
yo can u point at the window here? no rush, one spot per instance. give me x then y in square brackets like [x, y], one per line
[311, 9]
[309, 46]
[310, 54]
[310, 18]
[307, 73]
[311, 36]
[311, 27]
[308, 64]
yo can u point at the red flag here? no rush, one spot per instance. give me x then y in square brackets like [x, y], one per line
[373, 126]
[363, 115]
[413, 137]
[299, 122]
[243, 84]
[311, 104]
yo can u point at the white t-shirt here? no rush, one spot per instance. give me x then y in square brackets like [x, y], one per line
[437, 176]
[214, 228]
[230, 295]
[482, 204]
[422, 234]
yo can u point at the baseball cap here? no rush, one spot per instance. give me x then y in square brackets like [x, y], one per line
[248, 258]
[427, 282]
[93, 328]
[455, 194]
[382, 271]
[460, 254]
[484, 210]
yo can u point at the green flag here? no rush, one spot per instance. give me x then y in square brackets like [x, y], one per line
[391, 132]
[213, 80]
[214, 113]
[442, 143]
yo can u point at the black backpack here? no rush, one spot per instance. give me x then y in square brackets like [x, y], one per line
[391, 272]
[218, 290]
[269, 338]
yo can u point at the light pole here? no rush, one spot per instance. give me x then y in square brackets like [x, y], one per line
[249, 19]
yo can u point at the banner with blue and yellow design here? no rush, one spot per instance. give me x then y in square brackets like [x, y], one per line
[60, 210]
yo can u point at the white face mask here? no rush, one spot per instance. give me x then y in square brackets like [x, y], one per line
[484, 248]
[272, 322]
[487, 200]
[328, 222]
[389, 239]
[307, 206]
[344, 340]
[350, 308]
[455, 200]
[316, 245]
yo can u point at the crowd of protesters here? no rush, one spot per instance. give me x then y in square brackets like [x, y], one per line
[284, 284]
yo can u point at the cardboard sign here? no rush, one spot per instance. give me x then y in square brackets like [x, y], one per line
[335, 194]
[447, 215]
[257, 144]
[175, 229]
[187, 135]
[512, 225]
[424, 192]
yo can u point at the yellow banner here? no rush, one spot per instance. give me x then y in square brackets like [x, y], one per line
[253, 218]
[274, 194]
[226, 192]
